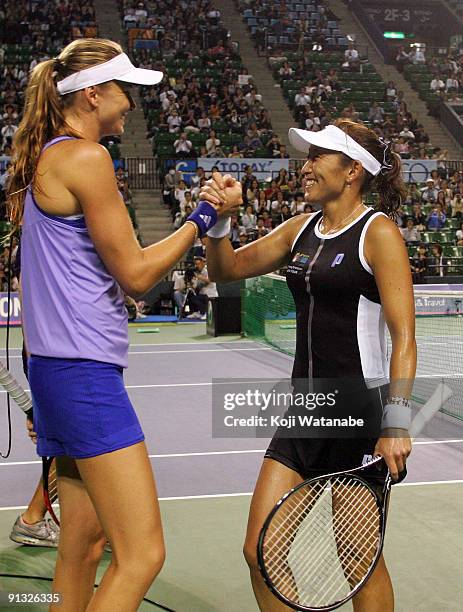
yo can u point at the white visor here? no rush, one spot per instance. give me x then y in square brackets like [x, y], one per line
[334, 139]
[120, 68]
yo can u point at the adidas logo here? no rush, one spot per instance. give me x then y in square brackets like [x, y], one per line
[207, 219]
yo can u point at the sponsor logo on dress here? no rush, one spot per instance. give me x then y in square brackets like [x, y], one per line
[337, 260]
[301, 258]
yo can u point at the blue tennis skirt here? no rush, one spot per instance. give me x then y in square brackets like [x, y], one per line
[81, 408]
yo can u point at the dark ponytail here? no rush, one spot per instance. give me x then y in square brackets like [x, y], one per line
[388, 184]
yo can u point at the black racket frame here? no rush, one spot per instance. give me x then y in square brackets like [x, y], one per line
[46, 464]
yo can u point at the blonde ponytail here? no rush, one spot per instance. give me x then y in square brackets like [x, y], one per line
[43, 117]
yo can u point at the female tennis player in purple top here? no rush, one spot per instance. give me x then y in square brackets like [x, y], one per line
[79, 256]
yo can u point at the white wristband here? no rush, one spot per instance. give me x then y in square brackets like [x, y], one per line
[396, 417]
[221, 228]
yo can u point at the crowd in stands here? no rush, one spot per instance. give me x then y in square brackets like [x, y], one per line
[208, 105]
[438, 77]
[29, 33]
[291, 26]
[327, 76]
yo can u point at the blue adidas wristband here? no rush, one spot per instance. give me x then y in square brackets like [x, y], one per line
[205, 217]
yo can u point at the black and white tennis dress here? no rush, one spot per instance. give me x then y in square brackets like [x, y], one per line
[340, 332]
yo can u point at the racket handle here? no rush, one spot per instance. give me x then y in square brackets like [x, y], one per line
[15, 391]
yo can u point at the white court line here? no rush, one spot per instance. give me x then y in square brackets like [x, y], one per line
[405, 484]
[437, 442]
[166, 456]
[200, 384]
[248, 494]
[429, 482]
[212, 453]
[222, 350]
[233, 342]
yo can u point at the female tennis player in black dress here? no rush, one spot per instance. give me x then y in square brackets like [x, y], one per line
[353, 278]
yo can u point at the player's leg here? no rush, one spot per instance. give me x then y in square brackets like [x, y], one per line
[81, 541]
[377, 595]
[122, 488]
[31, 527]
[36, 509]
[274, 480]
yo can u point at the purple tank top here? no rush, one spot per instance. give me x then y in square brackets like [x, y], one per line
[71, 306]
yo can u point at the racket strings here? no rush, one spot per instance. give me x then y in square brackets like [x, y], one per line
[296, 515]
[326, 517]
[324, 543]
[332, 559]
[340, 538]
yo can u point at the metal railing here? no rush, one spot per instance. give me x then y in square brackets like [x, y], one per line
[142, 172]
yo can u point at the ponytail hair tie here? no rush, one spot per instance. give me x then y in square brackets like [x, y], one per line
[385, 166]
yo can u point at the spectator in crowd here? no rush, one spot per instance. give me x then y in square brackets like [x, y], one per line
[302, 99]
[249, 219]
[436, 218]
[180, 289]
[459, 235]
[429, 193]
[351, 57]
[195, 180]
[437, 84]
[235, 152]
[286, 72]
[418, 217]
[282, 154]
[436, 263]
[410, 233]
[235, 232]
[402, 58]
[457, 206]
[417, 56]
[204, 290]
[213, 145]
[174, 121]
[406, 133]
[419, 265]
[376, 113]
[183, 147]
[273, 146]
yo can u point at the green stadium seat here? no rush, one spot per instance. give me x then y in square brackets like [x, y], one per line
[430, 236]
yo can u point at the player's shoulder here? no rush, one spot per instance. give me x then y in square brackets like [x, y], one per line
[382, 227]
[290, 228]
[78, 152]
[295, 224]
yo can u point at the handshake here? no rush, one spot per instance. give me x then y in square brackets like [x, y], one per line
[224, 193]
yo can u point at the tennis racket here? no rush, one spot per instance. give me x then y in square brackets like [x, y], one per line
[322, 540]
[49, 481]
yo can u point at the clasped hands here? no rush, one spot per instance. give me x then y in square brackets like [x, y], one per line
[225, 193]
